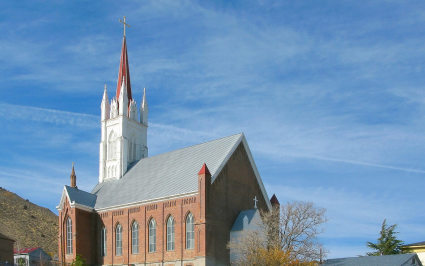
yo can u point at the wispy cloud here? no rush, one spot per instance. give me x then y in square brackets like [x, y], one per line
[48, 115]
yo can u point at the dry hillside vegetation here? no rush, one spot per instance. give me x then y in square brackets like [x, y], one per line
[29, 224]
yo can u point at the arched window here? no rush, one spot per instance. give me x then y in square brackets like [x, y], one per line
[135, 238]
[112, 146]
[190, 232]
[103, 241]
[170, 233]
[118, 240]
[69, 236]
[152, 235]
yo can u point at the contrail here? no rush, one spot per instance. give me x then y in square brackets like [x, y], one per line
[385, 166]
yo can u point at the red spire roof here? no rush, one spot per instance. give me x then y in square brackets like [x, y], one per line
[204, 170]
[124, 71]
[24, 250]
[274, 200]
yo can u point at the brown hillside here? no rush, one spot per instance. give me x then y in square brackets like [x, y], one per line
[29, 224]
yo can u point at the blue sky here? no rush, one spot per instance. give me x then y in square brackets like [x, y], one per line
[329, 94]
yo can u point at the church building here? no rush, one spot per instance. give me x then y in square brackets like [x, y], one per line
[176, 208]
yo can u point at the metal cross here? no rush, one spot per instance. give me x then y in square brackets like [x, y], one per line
[255, 202]
[125, 24]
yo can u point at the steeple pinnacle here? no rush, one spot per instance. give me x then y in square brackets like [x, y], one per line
[104, 106]
[73, 177]
[105, 94]
[124, 72]
[144, 109]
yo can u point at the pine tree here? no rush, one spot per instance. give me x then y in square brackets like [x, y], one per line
[388, 243]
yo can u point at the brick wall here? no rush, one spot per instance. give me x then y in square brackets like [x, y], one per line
[142, 214]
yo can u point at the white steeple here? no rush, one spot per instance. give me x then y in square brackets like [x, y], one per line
[144, 110]
[123, 99]
[123, 138]
[104, 106]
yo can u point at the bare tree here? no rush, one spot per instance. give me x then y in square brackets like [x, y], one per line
[288, 235]
[248, 248]
[300, 224]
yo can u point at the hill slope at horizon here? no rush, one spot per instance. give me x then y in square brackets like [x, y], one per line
[28, 224]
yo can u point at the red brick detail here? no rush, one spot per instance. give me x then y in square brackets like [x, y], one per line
[204, 170]
[274, 201]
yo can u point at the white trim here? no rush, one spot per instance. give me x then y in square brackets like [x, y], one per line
[64, 193]
[72, 204]
[80, 206]
[257, 174]
[127, 205]
[251, 160]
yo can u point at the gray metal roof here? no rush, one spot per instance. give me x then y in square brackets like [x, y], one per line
[80, 197]
[165, 175]
[387, 260]
[238, 224]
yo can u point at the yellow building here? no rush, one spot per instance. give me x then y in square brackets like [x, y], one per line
[418, 248]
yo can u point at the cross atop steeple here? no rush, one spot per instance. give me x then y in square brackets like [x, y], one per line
[125, 24]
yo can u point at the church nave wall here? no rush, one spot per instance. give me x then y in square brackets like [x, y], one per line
[178, 208]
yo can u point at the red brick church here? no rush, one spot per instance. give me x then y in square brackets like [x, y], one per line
[176, 208]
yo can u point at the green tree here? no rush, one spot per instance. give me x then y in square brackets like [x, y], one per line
[22, 262]
[388, 243]
[79, 261]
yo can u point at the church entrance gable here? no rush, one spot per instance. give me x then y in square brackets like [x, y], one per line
[235, 189]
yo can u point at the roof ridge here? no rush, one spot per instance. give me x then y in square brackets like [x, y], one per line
[177, 150]
[77, 189]
[194, 145]
[180, 149]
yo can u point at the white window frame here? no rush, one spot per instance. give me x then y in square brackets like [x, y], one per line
[152, 235]
[134, 238]
[69, 249]
[170, 233]
[118, 240]
[190, 232]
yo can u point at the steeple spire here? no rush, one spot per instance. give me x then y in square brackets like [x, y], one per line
[73, 177]
[124, 72]
[123, 138]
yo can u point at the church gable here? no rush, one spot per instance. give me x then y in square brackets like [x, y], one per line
[242, 145]
[75, 197]
[237, 187]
